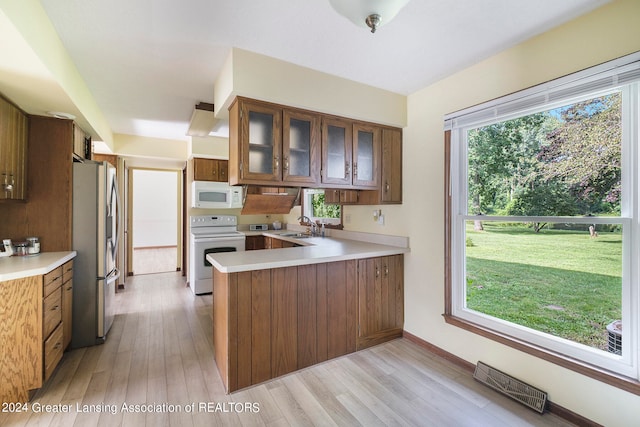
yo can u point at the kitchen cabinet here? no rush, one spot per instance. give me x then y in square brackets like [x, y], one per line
[366, 153]
[270, 144]
[341, 197]
[253, 243]
[13, 152]
[337, 151]
[390, 184]
[380, 299]
[391, 166]
[275, 243]
[48, 211]
[350, 153]
[53, 328]
[33, 319]
[67, 302]
[210, 170]
[271, 322]
[81, 143]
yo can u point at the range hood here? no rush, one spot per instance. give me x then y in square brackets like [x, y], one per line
[202, 120]
[269, 200]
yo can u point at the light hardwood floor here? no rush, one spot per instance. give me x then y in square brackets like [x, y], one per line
[154, 260]
[159, 351]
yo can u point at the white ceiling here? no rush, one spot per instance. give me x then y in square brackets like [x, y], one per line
[148, 62]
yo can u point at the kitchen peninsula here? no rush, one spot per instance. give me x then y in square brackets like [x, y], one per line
[279, 310]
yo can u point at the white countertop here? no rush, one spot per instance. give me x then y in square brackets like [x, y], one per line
[315, 250]
[17, 267]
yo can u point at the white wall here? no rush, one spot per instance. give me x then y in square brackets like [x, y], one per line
[155, 208]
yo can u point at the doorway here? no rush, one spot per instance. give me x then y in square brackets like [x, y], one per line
[155, 220]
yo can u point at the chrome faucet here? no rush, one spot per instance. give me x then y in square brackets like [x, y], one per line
[305, 218]
[311, 223]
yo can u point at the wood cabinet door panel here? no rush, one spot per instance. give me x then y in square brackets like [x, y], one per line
[284, 322]
[300, 146]
[336, 151]
[366, 155]
[380, 299]
[67, 310]
[244, 334]
[391, 166]
[307, 316]
[261, 142]
[260, 326]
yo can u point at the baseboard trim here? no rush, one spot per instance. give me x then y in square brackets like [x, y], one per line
[553, 408]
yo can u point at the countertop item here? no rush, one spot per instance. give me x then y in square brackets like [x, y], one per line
[314, 250]
[17, 267]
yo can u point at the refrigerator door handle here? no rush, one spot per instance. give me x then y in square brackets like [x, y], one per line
[114, 188]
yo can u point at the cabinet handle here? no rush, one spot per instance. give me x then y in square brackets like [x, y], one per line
[277, 159]
[377, 272]
[386, 186]
[57, 346]
[386, 271]
[286, 163]
[55, 307]
[69, 288]
[347, 169]
[355, 169]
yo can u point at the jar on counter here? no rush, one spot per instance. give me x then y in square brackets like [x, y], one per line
[34, 245]
[20, 248]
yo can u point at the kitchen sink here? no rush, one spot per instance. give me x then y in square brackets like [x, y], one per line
[296, 235]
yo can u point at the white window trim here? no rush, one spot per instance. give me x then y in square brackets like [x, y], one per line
[459, 123]
[307, 193]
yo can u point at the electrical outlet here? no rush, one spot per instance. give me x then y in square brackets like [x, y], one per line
[347, 218]
[381, 219]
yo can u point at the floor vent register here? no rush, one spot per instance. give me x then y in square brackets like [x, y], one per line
[524, 393]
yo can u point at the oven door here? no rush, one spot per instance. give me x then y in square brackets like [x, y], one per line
[201, 271]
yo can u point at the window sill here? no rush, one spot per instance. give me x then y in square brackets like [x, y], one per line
[624, 383]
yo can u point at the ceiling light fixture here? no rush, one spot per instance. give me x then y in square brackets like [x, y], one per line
[61, 115]
[368, 13]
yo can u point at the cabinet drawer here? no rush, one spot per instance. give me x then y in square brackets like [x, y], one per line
[52, 280]
[67, 271]
[52, 311]
[52, 352]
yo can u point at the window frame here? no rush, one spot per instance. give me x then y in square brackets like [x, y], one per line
[622, 372]
[306, 208]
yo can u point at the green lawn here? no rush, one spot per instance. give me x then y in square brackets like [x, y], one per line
[561, 282]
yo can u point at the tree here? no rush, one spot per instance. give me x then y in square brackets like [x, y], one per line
[502, 160]
[584, 151]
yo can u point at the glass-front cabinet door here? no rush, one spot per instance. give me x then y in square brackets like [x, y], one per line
[366, 151]
[300, 147]
[336, 151]
[261, 142]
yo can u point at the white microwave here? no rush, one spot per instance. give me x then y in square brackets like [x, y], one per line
[215, 195]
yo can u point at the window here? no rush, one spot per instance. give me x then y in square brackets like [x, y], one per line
[543, 219]
[313, 206]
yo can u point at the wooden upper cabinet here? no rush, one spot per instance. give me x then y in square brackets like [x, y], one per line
[391, 166]
[336, 151]
[210, 170]
[13, 152]
[300, 147]
[366, 153]
[270, 143]
[255, 142]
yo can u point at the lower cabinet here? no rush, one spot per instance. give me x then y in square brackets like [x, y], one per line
[268, 323]
[67, 302]
[35, 317]
[253, 243]
[380, 299]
